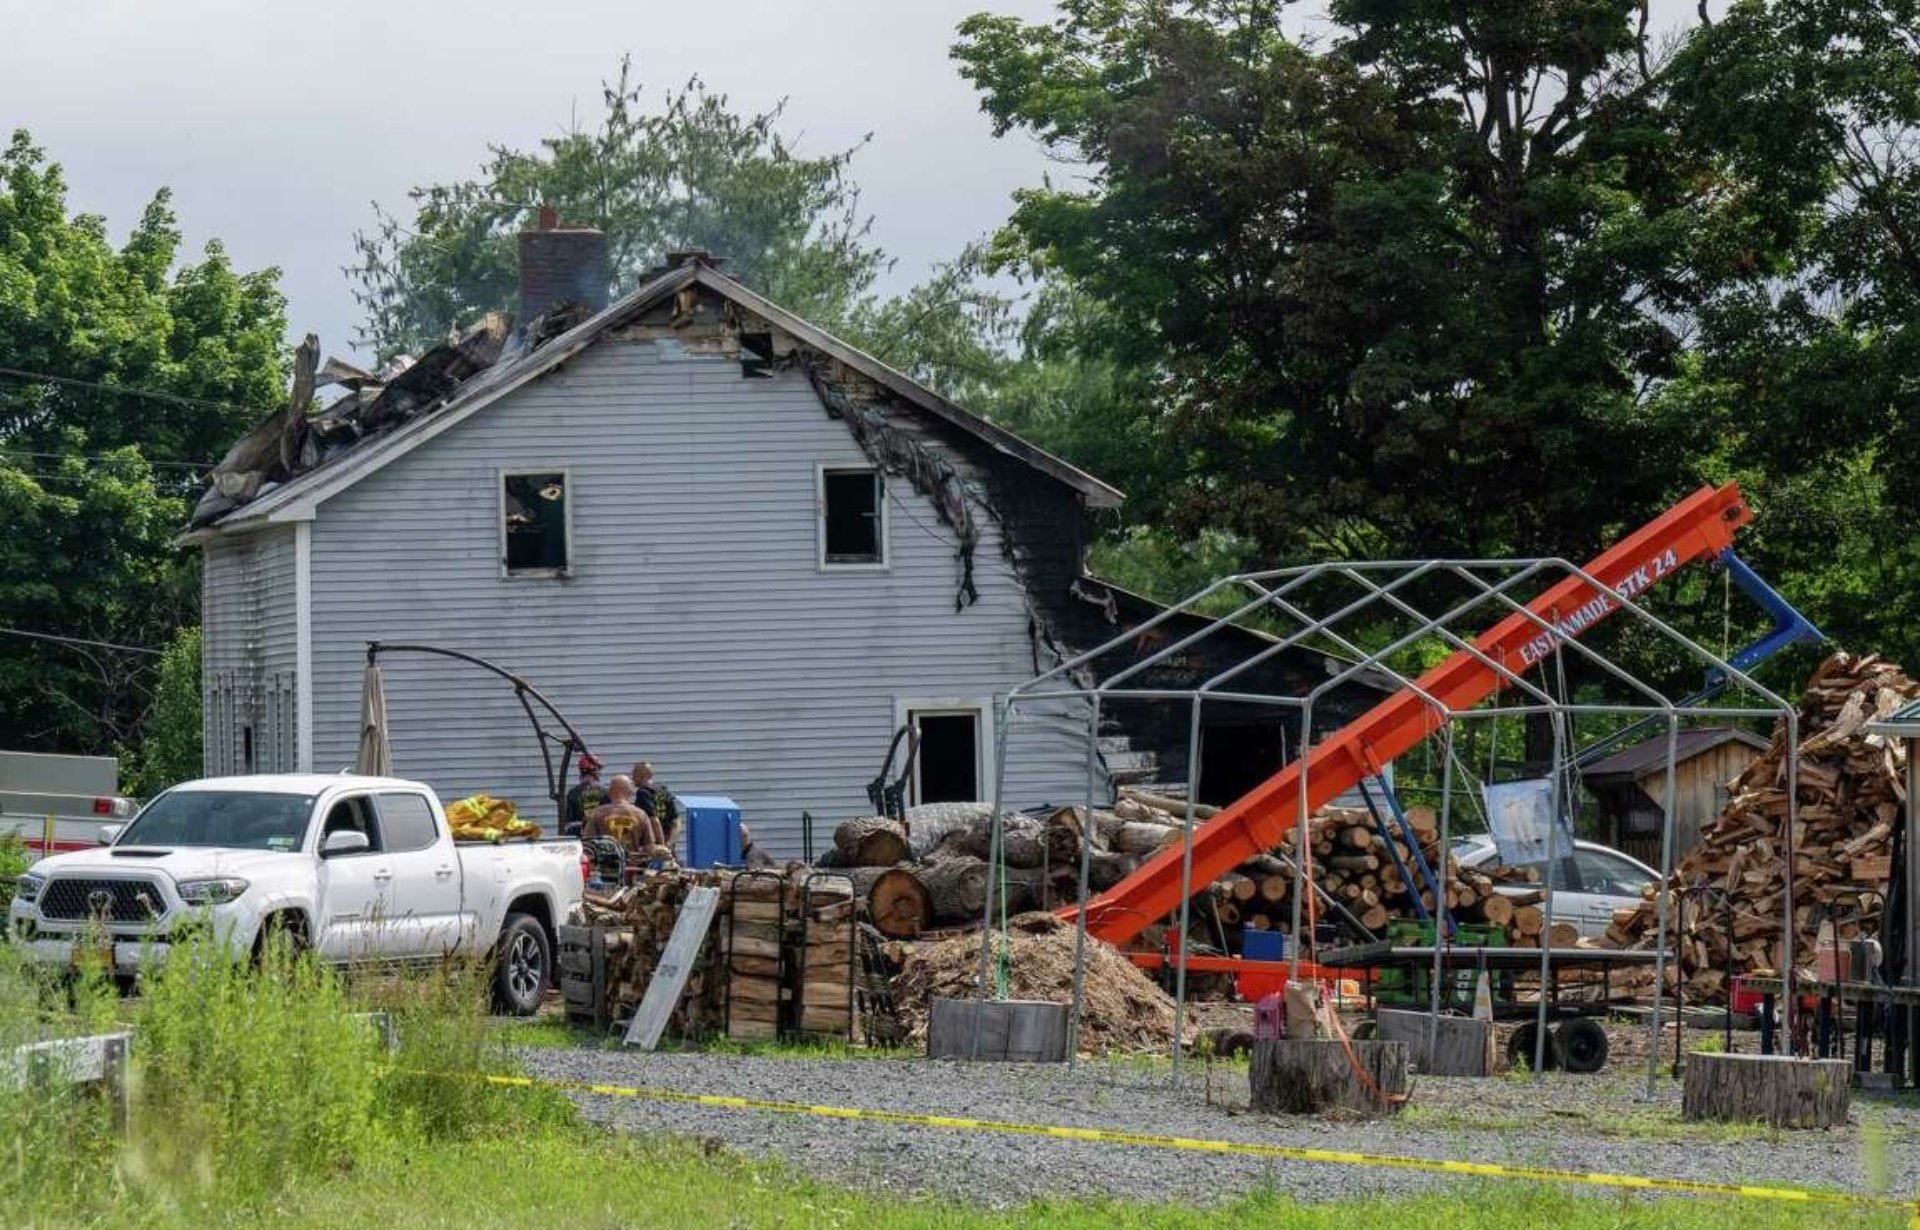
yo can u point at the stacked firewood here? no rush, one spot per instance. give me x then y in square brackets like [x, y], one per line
[1850, 789]
[635, 923]
[780, 958]
[753, 928]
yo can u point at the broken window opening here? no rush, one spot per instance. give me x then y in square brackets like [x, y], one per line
[756, 356]
[852, 517]
[535, 524]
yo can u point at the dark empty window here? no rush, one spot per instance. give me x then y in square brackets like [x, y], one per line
[851, 517]
[535, 509]
[407, 822]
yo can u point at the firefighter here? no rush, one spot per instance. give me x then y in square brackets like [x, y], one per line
[631, 826]
[583, 796]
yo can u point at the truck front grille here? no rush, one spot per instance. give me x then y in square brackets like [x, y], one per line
[112, 901]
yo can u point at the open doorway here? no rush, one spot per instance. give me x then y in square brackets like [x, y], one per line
[947, 769]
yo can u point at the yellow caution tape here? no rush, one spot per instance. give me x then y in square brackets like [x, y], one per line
[1337, 1157]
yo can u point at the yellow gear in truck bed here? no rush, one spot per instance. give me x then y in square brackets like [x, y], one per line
[481, 817]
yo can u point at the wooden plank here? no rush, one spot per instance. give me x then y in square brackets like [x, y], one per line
[676, 963]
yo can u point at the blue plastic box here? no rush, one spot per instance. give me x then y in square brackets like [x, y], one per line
[1263, 945]
[713, 830]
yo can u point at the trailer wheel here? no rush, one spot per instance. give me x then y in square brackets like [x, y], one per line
[1521, 1045]
[521, 967]
[1582, 1045]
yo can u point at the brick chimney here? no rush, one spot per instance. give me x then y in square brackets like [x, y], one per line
[561, 264]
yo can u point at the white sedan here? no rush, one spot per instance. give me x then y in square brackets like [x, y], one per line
[1587, 888]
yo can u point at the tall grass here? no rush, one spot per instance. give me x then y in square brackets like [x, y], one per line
[248, 1080]
[261, 1074]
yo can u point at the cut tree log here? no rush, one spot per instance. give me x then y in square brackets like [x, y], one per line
[897, 902]
[1773, 1089]
[871, 841]
[1023, 843]
[956, 889]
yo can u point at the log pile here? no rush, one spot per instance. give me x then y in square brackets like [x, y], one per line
[943, 882]
[1357, 867]
[1850, 789]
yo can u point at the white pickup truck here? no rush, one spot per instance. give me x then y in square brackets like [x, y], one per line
[360, 869]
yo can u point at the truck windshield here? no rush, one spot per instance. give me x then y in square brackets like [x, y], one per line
[236, 818]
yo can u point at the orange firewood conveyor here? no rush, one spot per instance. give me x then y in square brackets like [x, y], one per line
[1699, 527]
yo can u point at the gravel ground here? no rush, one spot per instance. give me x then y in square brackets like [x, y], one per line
[1580, 1123]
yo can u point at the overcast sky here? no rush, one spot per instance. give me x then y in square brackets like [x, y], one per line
[276, 125]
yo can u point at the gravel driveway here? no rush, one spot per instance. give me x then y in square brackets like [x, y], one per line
[1582, 1123]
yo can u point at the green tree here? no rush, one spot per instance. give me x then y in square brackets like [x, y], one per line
[1400, 292]
[95, 481]
[1815, 106]
[170, 751]
[695, 173]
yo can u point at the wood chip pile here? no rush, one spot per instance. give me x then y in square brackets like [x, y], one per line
[1850, 789]
[1124, 1009]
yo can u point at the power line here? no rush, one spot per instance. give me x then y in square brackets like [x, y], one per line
[104, 457]
[128, 390]
[78, 640]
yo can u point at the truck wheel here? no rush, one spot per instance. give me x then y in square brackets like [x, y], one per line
[288, 932]
[1520, 1048]
[520, 975]
[1583, 1045]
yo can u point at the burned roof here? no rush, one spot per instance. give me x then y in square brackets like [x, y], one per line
[303, 457]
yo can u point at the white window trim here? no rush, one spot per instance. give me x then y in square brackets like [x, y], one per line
[303, 646]
[820, 561]
[500, 523]
[981, 708]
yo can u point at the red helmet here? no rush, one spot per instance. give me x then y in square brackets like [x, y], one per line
[589, 763]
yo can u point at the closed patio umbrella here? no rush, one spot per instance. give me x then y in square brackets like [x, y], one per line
[375, 757]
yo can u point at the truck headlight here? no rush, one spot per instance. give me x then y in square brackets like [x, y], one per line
[27, 888]
[217, 890]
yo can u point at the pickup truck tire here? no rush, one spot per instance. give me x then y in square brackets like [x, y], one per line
[522, 966]
[289, 930]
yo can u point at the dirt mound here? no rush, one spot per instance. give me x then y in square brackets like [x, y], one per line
[1124, 1010]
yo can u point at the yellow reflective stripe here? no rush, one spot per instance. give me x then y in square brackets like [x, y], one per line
[1194, 1144]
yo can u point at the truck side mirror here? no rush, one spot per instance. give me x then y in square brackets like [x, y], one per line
[109, 833]
[344, 841]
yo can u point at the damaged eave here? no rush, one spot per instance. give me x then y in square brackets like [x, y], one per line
[1096, 493]
[297, 499]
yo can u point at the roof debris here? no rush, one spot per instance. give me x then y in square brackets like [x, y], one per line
[292, 441]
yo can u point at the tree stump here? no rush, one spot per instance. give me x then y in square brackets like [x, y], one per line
[1309, 1075]
[1778, 1090]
